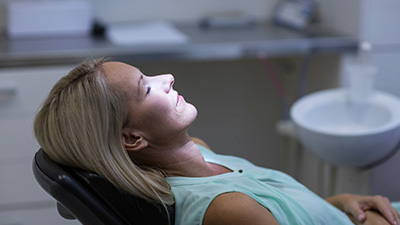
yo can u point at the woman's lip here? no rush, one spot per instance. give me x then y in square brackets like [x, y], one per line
[180, 98]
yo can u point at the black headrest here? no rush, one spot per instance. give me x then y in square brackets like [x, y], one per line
[135, 209]
[100, 195]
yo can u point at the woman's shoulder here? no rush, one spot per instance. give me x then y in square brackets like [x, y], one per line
[238, 209]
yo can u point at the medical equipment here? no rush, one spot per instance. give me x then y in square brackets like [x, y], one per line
[295, 14]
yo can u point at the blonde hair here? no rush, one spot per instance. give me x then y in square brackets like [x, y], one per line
[80, 124]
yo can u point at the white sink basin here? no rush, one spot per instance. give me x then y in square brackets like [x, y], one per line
[344, 133]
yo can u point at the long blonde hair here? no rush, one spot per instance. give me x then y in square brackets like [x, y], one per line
[80, 124]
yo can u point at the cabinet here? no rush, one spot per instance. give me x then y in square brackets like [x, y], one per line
[22, 200]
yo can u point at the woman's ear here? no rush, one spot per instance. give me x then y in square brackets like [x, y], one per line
[133, 141]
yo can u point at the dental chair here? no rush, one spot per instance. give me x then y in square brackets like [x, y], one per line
[93, 200]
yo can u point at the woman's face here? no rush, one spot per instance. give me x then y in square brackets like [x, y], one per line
[155, 108]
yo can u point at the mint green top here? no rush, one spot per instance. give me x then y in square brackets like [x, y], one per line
[289, 201]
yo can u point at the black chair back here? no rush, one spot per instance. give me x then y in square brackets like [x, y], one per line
[92, 199]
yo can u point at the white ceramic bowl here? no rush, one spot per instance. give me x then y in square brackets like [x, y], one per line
[344, 133]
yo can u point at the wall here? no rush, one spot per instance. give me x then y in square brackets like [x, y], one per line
[380, 26]
[376, 21]
[176, 10]
[172, 10]
[341, 15]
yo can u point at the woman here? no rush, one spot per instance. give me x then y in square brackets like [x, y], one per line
[110, 118]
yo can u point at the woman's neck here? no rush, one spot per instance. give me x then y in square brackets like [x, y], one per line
[178, 160]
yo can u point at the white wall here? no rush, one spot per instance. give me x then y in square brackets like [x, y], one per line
[381, 23]
[340, 15]
[378, 22]
[172, 10]
[176, 10]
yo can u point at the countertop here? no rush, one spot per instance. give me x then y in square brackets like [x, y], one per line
[204, 44]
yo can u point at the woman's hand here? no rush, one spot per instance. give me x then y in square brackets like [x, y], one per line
[372, 218]
[360, 207]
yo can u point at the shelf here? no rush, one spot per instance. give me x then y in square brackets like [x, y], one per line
[204, 44]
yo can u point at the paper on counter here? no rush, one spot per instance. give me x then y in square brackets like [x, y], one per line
[145, 33]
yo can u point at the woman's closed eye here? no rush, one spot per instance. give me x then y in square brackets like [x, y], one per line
[148, 90]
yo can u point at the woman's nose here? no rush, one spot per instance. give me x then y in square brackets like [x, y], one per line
[167, 81]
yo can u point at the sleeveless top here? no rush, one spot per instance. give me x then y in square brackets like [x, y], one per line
[289, 201]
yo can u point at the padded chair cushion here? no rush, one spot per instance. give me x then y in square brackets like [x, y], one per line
[135, 209]
[94, 200]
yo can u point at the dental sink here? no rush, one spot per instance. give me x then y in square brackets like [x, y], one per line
[345, 133]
